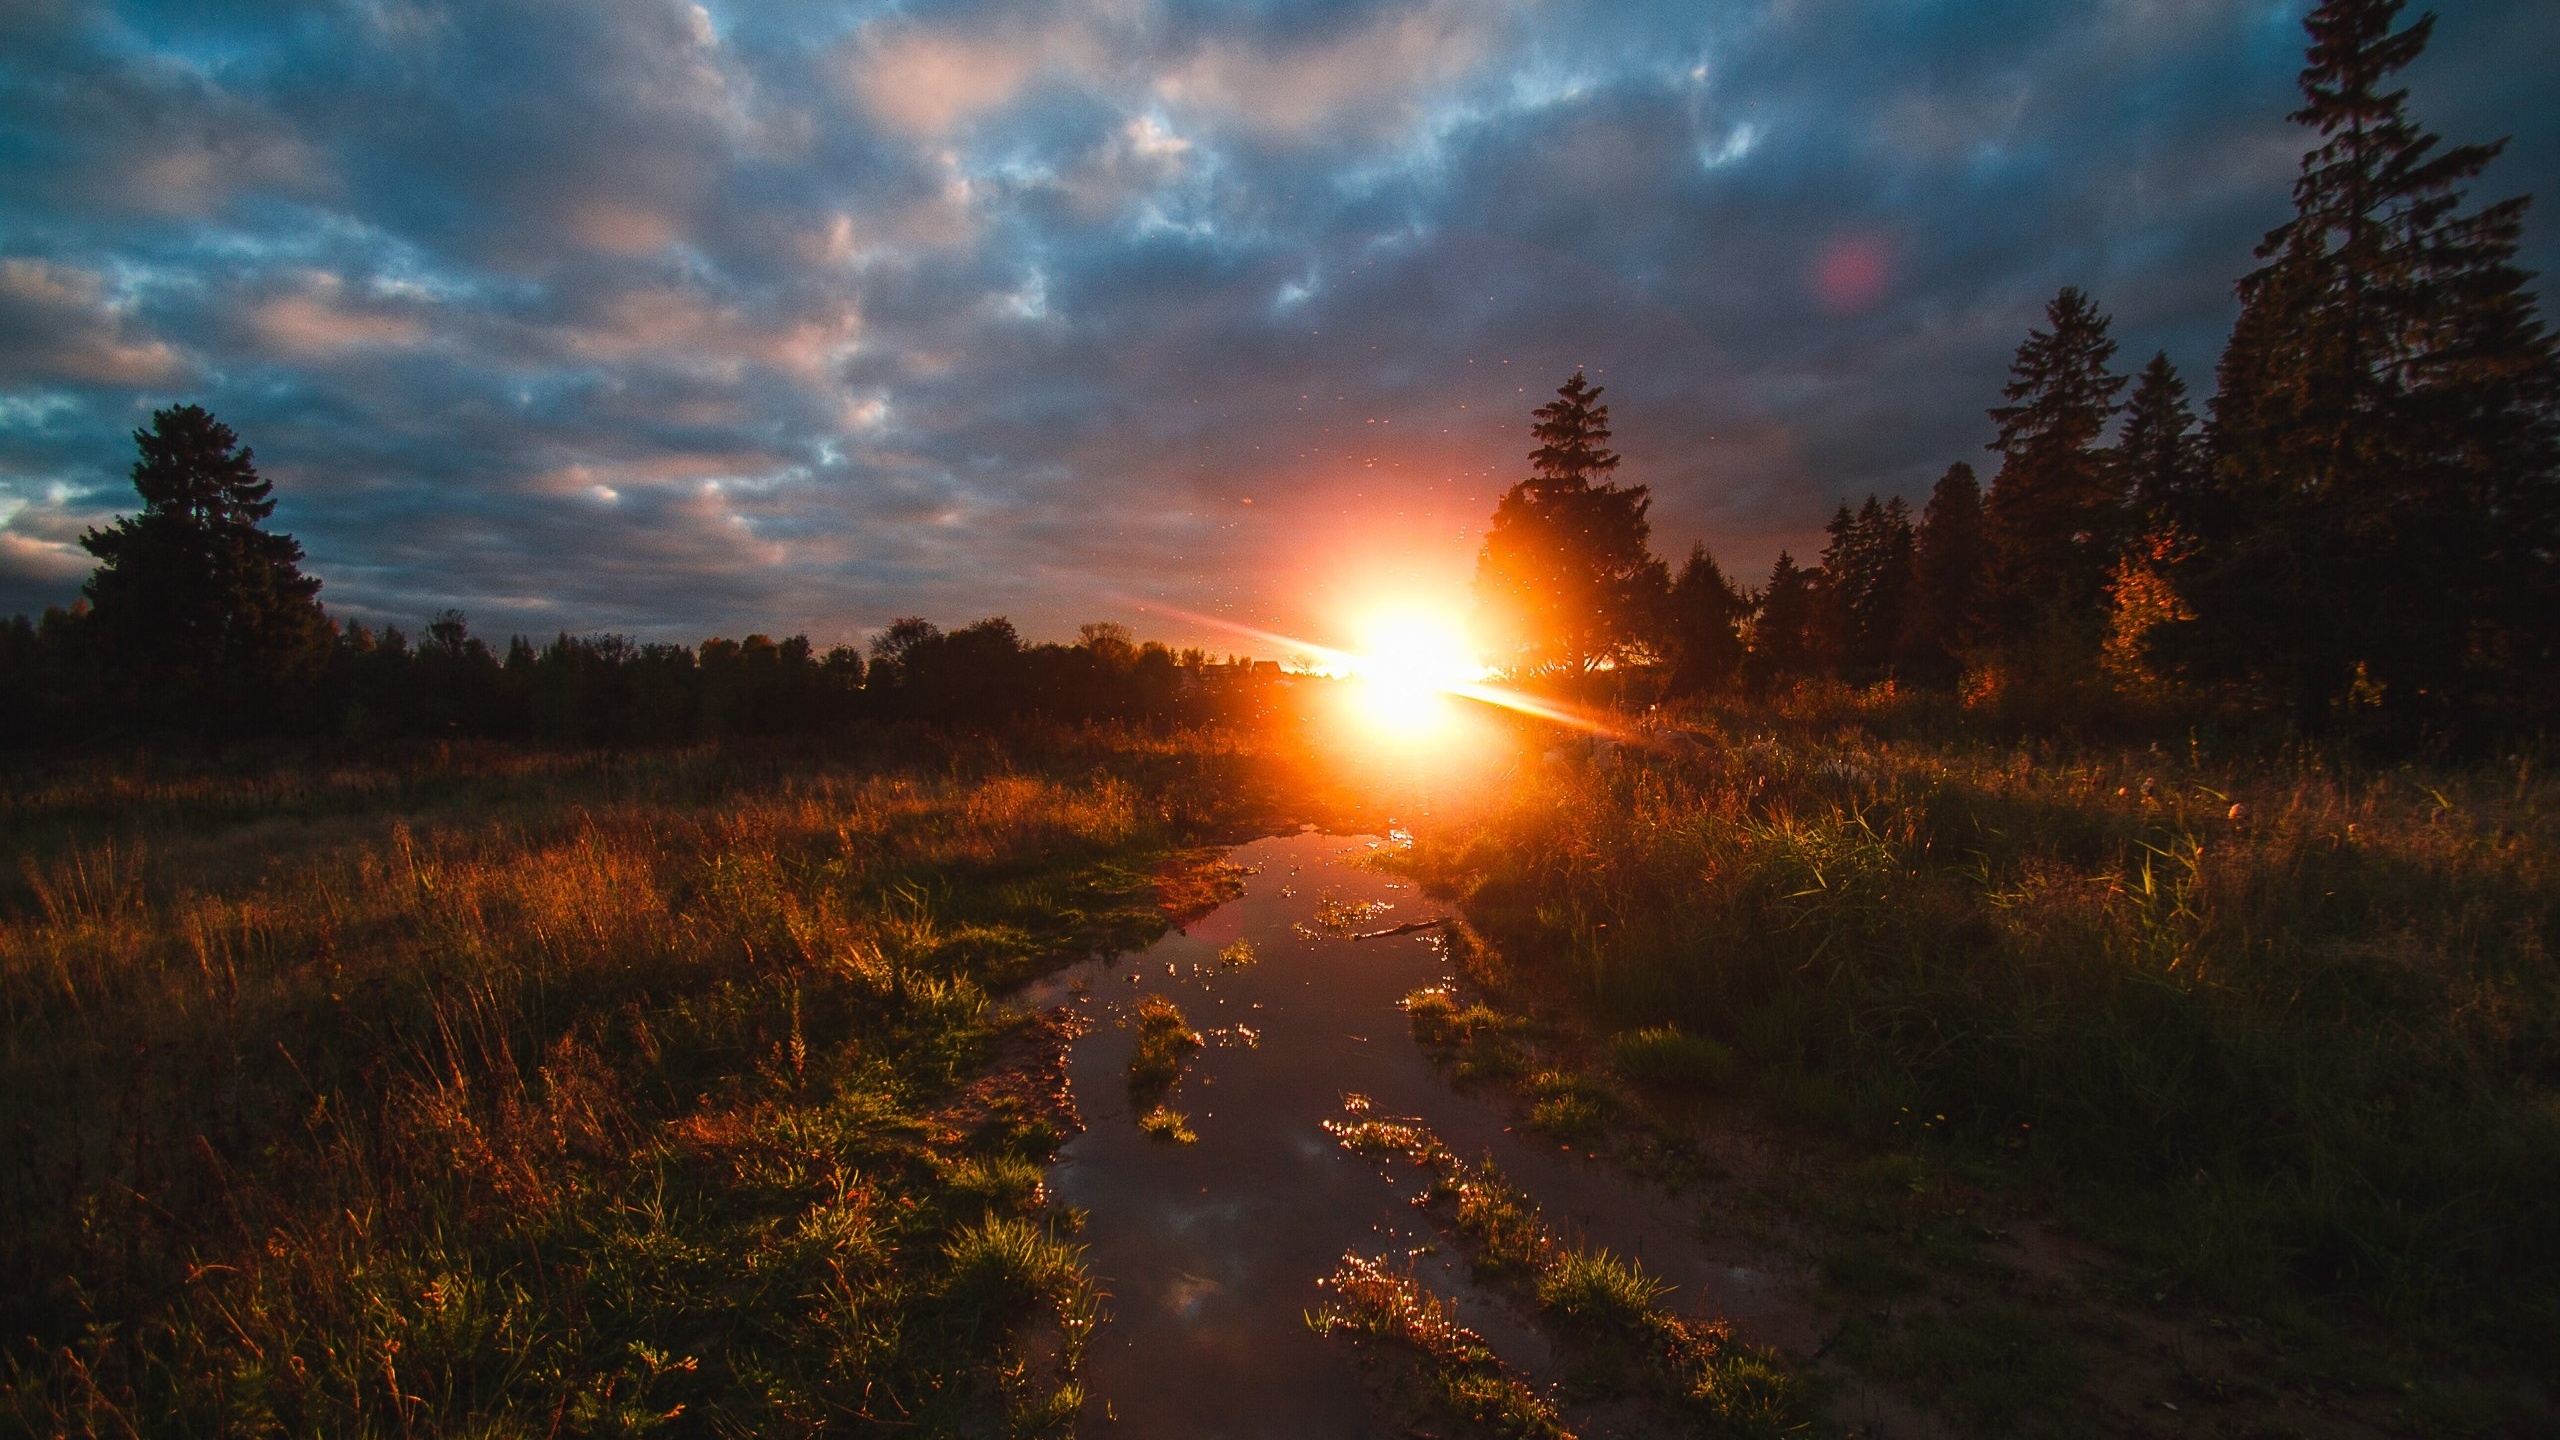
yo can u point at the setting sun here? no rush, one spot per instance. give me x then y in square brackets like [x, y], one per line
[1407, 663]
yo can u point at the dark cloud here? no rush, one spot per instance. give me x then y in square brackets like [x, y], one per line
[680, 318]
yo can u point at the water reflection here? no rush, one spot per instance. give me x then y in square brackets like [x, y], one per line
[1210, 1251]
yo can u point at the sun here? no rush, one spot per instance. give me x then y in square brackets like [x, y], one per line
[1407, 663]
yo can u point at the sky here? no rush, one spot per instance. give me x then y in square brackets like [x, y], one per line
[677, 319]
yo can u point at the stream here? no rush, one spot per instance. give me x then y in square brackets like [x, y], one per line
[1209, 1253]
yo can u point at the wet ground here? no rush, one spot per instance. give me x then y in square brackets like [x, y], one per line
[1210, 1252]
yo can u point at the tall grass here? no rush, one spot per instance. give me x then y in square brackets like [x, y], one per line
[2299, 1018]
[527, 1093]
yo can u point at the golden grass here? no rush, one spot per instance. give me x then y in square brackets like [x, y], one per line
[510, 1091]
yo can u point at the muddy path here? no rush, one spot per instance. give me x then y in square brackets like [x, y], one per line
[1210, 1250]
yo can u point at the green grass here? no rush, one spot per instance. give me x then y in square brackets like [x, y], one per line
[1667, 1055]
[2304, 1048]
[512, 1092]
[1169, 1125]
[1165, 1041]
[1604, 1311]
[1452, 1381]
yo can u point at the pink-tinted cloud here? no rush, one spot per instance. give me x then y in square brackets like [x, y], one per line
[58, 324]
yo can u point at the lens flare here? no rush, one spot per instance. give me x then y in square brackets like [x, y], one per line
[1408, 664]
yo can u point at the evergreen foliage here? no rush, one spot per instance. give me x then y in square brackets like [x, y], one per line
[205, 617]
[1948, 555]
[2054, 512]
[1783, 644]
[2384, 522]
[1703, 626]
[1565, 583]
[2160, 457]
[1865, 585]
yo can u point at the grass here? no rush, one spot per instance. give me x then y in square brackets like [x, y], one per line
[1451, 1380]
[1169, 1125]
[1165, 1041]
[2282, 1026]
[1669, 1056]
[512, 1092]
[1607, 1311]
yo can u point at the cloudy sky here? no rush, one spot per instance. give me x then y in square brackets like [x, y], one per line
[679, 319]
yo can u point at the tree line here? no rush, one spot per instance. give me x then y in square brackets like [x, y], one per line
[198, 620]
[2362, 529]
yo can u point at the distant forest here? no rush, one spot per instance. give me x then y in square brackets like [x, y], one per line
[2361, 534]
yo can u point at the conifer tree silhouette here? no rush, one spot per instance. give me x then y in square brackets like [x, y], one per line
[1702, 625]
[2383, 522]
[2160, 456]
[205, 613]
[2054, 514]
[1781, 627]
[1565, 583]
[1947, 559]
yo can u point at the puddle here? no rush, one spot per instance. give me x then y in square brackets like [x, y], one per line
[1210, 1252]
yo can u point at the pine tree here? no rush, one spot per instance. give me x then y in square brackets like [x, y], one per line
[1864, 581]
[206, 614]
[2384, 514]
[2055, 512]
[1565, 583]
[2159, 458]
[1573, 435]
[1948, 556]
[1703, 626]
[1782, 645]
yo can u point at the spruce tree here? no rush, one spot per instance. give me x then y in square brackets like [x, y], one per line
[1781, 641]
[2383, 522]
[1865, 579]
[1565, 583]
[2159, 457]
[2055, 514]
[205, 614]
[1947, 561]
[1702, 626]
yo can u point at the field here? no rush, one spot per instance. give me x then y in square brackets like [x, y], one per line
[2278, 1029]
[528, 1093]
[510, 1091]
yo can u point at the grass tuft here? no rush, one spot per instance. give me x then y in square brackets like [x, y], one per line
[1692, 1372]
[1456, 1382]
[1169, 1125]
[1596, 1290]
[1165, 1041]
[1667, 1055]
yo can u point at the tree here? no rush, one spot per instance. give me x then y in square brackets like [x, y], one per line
[2160, 460]
[1565, 584]
[1947, 561]
[1702, 626]
[206, 615]
[2383, 522]
[1865, 578]
[2054, 516]
[1781, 627]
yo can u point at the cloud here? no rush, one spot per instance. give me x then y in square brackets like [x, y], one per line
[642, 315]
[59, 325]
